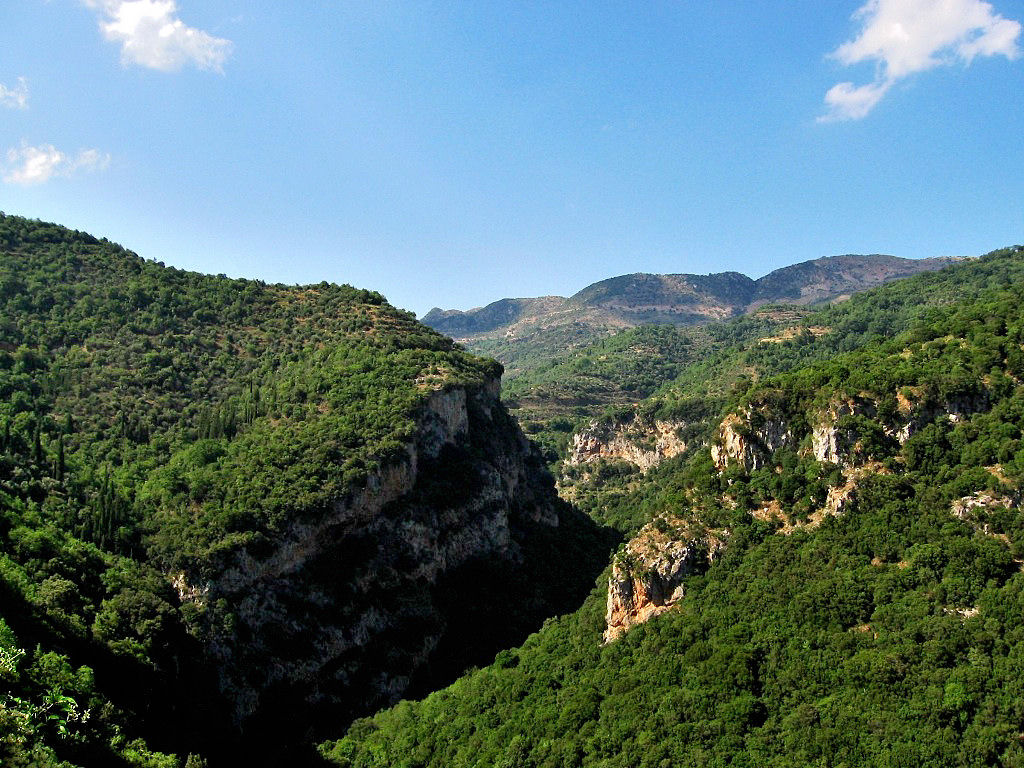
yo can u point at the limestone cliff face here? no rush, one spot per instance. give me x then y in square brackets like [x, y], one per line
[749, 439]
[829, 441]
[837, 433]
[917, 409]
[644, 443]
[854, 432]
[344, 608]
[648, 577]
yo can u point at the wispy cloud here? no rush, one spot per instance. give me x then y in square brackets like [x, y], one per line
[15, 98]
[151, 35]
[904, 37]
[30, 165]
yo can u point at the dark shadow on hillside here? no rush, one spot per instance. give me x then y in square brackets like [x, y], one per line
[490, 605]
[480, 608]
[175, 709]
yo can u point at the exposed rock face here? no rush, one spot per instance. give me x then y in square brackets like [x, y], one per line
[916, 409]
[842, 496]
[444, 421]
[850, 433]
[648, 577]
[344, 607]
[980, 502]
[981, 511]
[751, 439]
[977, 510]
[831, 443]
[643, 443]
[839, 498]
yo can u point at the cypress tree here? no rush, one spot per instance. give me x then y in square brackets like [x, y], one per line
[37, 443]
[60, 457]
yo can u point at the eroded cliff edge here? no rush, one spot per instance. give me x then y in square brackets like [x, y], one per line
[850, 437]
[430, 567]
[648, 575]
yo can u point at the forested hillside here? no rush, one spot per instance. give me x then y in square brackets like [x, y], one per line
[862, 602]
[690, 382]
[604, 380]
[231, 511]
[238, 520]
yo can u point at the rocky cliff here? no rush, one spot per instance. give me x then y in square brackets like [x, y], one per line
[750, 438]
[648, 575]
[349, 609]
[848, 431]
[853, 432]
[639, 441]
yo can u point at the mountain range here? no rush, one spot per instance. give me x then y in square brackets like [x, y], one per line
[521, 332]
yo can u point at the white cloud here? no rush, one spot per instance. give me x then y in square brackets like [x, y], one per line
[854, 102]
[151, 35]
[33, 165]
[15, 98]
[903, 37]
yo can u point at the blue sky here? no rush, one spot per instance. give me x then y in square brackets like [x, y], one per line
[454, 153]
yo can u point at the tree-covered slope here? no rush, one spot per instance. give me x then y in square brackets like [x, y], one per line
[215, 491]
[630, 366]
[736, 354]
[867, 606]
[583, 381]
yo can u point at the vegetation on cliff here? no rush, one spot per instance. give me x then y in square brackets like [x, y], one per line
[867, 607]
[159, 427]
[234, 516]
[731, 357]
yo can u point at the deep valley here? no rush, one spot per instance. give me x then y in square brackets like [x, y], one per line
[705, 520]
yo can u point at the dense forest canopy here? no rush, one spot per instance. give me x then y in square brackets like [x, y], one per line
[888, 632]
[860, 465]
[154, 421]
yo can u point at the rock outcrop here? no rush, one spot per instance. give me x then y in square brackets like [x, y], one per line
[346, 610]
[750, 439]
[648, 576]
[833, 442]
[857, 433]
[979, 509]
[846, 432]
[644, 443]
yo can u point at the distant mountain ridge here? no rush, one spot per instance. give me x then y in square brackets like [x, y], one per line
[522, 331]
[682, 299]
